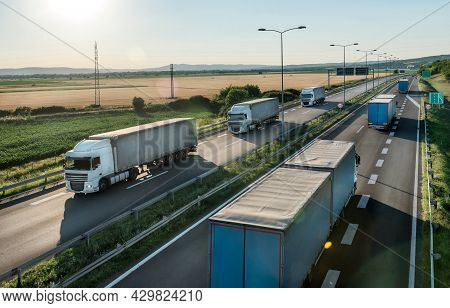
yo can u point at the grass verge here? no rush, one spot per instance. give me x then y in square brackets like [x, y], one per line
[438, 127]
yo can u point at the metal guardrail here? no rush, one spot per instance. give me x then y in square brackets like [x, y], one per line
[430, 208]
[86, 236]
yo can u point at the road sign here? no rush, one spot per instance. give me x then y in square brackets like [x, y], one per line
[349, 71]
[436, 98]
[426, 74]
[362, 71]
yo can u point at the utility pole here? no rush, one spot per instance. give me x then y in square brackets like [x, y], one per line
[97, 78]
[172, 91]
[345, 69]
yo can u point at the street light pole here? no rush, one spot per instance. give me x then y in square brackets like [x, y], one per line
[344, 46]
[367, 66]
[282, 70]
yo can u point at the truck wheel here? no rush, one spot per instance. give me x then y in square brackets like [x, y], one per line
[184, 155]
[103, 185]
[133, 174]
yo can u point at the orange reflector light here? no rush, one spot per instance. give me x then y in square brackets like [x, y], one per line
[328, 245]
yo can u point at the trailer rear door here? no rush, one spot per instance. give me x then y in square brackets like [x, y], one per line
[227, 256]
[262, 259]
[373, 113]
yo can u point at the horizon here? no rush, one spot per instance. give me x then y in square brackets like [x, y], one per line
[145, 39]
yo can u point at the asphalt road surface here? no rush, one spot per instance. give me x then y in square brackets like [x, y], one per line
[377, 254]
[38, 223]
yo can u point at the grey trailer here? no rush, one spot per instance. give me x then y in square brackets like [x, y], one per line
[144, 144]
[339, 158]
[271, 236]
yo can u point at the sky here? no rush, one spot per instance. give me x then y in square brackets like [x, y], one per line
[137, 34]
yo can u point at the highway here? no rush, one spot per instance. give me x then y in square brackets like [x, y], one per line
[38, 223]
[379, 252]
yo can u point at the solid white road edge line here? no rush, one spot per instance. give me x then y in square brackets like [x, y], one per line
[48, 198]
[144, 181]
[412, 255]
[224, 135]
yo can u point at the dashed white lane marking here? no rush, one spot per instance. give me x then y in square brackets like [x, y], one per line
[306, 112]
[360, 129]
[349, 234]
[396, 122]
[395, 127]
[373, 179]
[392, 134]
[286, 112]
[363, 201]
[331, 279]
[385, 151]
[224, 135]
[48, 198]
[398, 118]
[229, 145]
[380, 163]
[146, 180]
[389, 141]
[400, 114]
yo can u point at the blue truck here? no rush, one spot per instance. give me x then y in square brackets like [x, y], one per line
[403, 86]
[381, 111]
[272, 235]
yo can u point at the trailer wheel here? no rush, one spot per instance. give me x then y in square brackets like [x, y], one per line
[184, 155]
[103, 185]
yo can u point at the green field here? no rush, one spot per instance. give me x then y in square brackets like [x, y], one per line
[23, 141]
[439, 127]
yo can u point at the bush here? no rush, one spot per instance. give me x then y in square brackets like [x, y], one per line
[194, 103]
[22, 111]
[288, 96]
[49, 110]
[138, 104]
[294, 91]
[235, 96]
[5, 113]
[253, 91]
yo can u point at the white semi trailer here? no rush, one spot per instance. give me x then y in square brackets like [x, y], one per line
[312, 96]
[105, 159]
[244, 117]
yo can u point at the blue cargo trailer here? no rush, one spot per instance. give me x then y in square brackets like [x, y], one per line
[340, 159]
[403, 86]
[271, 236]
[381, 111]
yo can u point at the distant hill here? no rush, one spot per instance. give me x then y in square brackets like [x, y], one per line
[29, 71]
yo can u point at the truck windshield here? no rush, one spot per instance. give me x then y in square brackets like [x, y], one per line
[237, 117]
[78, 163]
[306, 96]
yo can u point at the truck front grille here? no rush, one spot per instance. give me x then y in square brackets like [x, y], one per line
[82, 177]
[77, 186]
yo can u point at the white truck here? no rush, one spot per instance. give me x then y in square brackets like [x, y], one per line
[105, 159]
[312, 96]
[247, 116]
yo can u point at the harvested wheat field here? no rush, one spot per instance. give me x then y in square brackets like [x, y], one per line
[117, 92]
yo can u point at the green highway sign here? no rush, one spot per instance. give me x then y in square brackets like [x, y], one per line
[426, 74]
[436, 98]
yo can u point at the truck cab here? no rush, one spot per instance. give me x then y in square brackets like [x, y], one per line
[87, 164]
[240, 119]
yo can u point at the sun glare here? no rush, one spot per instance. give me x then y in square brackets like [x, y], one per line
[77, 10]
